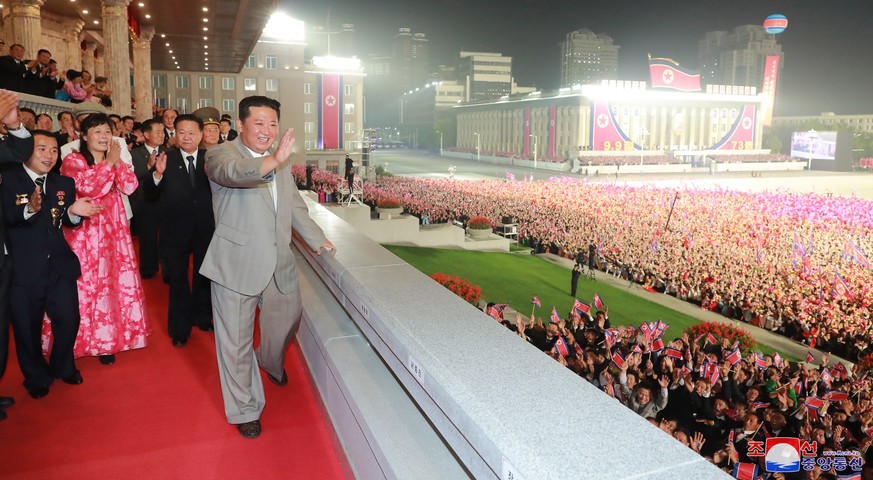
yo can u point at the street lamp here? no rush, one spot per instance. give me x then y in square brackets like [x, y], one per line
[478, 157]
[642, 134]
[536, 144]
[810, 136]
[441, 142]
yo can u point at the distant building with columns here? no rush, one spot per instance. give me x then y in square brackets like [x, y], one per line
[615, 116]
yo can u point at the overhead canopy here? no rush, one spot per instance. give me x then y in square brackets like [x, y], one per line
[233, 28]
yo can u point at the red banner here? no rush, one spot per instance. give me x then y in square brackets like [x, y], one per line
[605, 133]
[742, 134]
[668, 74]
[330, 118]
[771, 74]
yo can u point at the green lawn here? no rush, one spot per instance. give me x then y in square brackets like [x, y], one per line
[515, 278]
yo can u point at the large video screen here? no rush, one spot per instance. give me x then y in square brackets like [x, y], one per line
[815, 145]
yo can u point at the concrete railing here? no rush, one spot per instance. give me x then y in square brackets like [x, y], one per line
[496, 405]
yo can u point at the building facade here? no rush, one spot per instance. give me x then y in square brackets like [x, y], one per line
[859, 123]
[737, 57]
[485, 75]
[587, 57]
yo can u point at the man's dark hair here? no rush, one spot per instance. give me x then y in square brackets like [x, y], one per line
[149, 124]
[15, 45]
[187, 117]
[127, 117]
[224, 120]
[169, 110]
[43, 133]
[247, 103]
[28, 110]
[114, 116]
[223, 115]
[136, 126]
[65, 112]
[43, 115]
[42, 50]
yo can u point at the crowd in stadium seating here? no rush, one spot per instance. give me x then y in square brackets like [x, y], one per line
[789, 263]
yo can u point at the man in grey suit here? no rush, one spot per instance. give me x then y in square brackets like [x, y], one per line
[250, 261]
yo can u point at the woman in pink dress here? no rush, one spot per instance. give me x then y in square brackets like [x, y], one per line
[111, 300]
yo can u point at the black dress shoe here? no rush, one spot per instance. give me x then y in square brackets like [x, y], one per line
[280, 382]
[74, 379]
[38, 392]
[6, 402]
[180, 342]
[107, 359]
[206, 328]
[250, 429]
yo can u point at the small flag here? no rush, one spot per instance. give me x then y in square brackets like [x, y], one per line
[578, 348]
[736, 344]
[760, 362]
[814, 403]
[580, 306]
[827, 378]
[609, 337]
[555, 318]
[869, 432]
[809, 357]
[536, 301]
[841, 288]
[758, 405]
[647, 331]
[496, 311]
[710, 338]
[850, 476]
[657, 345]
[686, 370]
[618, 359]
[561, 347]
[840, 369]
[673, 353]
[598, 302]
[660, 328]
[745, 471]
[510, 176]
[778, 360]
[731, 436]
[837, 396]
[714, 376]
[637, 349]
[734, 357]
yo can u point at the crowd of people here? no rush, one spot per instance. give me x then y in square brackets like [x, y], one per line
[790, 263]
[42, 77]
[703, 393]
[68, 213]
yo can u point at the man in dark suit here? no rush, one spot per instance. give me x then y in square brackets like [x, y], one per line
[12, 68]
[186, 225]
[250, 261]
[227, 134]
[168, 118]
[17, 148]
[145, 208]
[40, 78]
[37, 202]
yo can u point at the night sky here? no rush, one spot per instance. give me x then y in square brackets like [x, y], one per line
[828, 45]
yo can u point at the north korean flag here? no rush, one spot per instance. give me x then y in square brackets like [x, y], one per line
[666, 73]
[330, 130]
[734, 357]
[710, 338]
[760, 362]
[827, 378]
[536, 301]
[581, 306]
[598, 302]
[837, 396]
[673, 353]
[657, 345]
[618, 359]
[809, 357]
[555, 317]
[561, 347]
[745, 471]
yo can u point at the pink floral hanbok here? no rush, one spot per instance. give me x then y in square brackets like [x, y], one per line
[111, 299]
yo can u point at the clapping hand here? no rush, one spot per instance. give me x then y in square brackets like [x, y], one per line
[34, 203]
[84, 207]
[113, 156]
[160, 163]
[9, 109]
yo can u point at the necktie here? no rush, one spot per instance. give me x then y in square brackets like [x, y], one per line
[40, 181]
[191, 170]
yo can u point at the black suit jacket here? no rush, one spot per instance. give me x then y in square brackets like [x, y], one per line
[39, 84]
[12, 150]
[11, 73]
[231, 135]
[140, 158]
[38, 241]
[185, 211]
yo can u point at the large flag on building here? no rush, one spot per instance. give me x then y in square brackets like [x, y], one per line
[330, 131]
[666, 73]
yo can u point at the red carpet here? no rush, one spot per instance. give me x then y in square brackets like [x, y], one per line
[157, 413]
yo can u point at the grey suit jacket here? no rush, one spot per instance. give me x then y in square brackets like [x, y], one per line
[252, 241]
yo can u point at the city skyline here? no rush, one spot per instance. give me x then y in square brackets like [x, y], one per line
[825, 46]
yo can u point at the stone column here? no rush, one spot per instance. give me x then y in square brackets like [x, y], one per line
[27, 26]
[88, 58]
[72, 30]
[142, 72]
[115, 34]
[100, 67]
